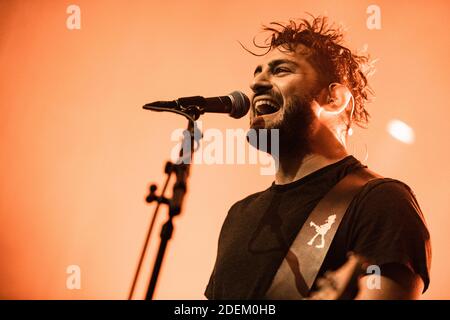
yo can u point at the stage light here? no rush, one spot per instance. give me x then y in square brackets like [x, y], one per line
[401, 131]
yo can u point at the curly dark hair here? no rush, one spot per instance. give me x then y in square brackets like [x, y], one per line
[332, 61]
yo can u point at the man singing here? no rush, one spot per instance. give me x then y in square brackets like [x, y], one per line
[313, 90]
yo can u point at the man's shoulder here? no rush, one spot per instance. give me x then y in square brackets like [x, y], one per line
[389, 201]
[249, 199]
[383, 188]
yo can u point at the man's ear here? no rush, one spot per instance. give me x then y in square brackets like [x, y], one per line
[339, 97]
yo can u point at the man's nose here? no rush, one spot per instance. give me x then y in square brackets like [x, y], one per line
[260, 84]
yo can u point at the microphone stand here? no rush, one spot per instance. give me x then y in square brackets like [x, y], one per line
[181, 171]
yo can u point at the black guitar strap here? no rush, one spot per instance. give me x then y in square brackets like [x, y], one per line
[300, 267]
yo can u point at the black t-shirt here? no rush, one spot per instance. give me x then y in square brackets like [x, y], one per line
[383, 223]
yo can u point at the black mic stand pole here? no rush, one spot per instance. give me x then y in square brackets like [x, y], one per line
[181, 171]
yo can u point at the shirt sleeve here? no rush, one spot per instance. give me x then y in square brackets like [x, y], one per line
[390, 228]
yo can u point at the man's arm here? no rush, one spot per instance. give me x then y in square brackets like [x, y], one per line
[397, 282]
[390, 232]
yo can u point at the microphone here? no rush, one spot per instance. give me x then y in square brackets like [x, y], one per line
[236, 104]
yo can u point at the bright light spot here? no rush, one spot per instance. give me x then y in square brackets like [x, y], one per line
[401, 131]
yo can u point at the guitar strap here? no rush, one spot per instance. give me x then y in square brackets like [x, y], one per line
[298, 271]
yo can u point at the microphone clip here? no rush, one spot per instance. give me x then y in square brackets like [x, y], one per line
[191, 112]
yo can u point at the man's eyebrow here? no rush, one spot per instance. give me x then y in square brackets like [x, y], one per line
[274, 63]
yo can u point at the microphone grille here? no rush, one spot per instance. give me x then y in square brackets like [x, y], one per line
[240, 104]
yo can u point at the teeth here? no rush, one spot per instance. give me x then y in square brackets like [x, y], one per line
[261, 102]
[265, 107]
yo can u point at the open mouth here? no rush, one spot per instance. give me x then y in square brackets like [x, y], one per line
[263, 107]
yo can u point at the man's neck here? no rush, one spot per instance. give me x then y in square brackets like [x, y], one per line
[326, 150]
[299, 168]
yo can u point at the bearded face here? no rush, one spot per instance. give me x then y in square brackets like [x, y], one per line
[284, 86]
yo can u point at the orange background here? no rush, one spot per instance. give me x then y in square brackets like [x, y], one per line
[78, 152]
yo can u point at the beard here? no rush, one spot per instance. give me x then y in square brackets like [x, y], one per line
[294, 127]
